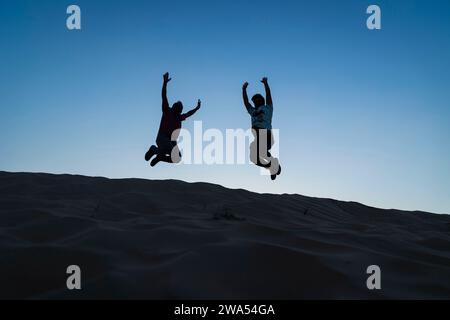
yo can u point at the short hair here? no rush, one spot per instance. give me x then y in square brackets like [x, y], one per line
[258, 97]
[177, 107]
[178, 104]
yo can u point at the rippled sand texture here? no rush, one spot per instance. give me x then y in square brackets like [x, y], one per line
[175, 240]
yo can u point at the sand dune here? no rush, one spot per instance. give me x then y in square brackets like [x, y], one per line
[170, 239]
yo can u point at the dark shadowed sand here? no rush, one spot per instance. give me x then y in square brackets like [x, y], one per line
[170, 239]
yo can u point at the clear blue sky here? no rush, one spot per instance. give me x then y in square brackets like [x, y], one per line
[363, 115]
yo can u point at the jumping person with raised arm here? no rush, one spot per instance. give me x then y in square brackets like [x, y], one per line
[261, 115]
[166, 141]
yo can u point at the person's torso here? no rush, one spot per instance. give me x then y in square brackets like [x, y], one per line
[262, 117]
[169, 123]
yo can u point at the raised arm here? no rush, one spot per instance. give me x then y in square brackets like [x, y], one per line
[165, 102]
[186, 115]
[247, 104]
[268, 94]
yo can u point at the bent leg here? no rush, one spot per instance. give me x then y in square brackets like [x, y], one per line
[275, 167]
[174, 157]
[160, 157]
[255, 157]
[263, 157]
[151, 152]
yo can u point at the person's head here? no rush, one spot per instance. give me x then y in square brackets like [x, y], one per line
[177, 107]
[258, 100]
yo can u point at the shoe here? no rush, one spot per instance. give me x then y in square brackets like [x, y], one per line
[154, 161]
[274, 176]
[150, 153]
[274, 167]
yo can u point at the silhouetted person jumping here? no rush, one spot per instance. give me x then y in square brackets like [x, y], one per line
[261, 114]
[167, 148]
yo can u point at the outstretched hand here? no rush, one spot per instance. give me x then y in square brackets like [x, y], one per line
[199, 103]
[245, 85]
[264, 80]
[166, 77]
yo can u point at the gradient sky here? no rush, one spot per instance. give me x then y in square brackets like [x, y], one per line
[363, 115]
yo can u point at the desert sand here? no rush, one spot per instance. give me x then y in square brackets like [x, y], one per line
[147, 239]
